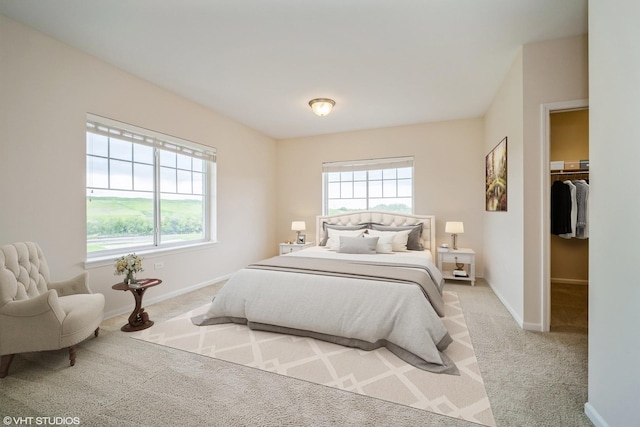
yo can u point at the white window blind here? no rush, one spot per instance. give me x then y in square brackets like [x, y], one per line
[369, 164]
[110, 128]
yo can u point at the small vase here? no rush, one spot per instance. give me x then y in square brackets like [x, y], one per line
[130, 279]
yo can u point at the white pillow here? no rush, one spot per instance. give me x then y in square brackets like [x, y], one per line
[385, 243]
[399, 238]
[333, 242]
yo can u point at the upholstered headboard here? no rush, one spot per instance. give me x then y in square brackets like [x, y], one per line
[428, 222]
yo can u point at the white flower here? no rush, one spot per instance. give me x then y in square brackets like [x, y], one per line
[131, 263]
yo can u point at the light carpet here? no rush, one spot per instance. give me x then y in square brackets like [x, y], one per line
[378, 373]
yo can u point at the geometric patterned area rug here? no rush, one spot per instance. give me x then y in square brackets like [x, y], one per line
[378, 373]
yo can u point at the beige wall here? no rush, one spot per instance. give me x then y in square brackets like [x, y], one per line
[46, 90]
[543, 73]
[449, 173]
[503, 243]
[614, 294]
[569, 135]
[553, 71]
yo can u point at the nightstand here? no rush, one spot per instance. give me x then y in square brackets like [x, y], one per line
[461, 256]
[287, 248]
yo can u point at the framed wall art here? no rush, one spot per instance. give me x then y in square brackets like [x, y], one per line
[496, 178]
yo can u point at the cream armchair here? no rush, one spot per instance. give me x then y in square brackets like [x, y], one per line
[39, 315]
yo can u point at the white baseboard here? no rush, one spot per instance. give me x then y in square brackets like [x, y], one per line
[594, 416]
[163, 297]
[536, 327]
[504, 302]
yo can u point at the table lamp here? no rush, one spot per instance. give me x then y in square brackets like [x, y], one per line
[455, 228]
[298, 226]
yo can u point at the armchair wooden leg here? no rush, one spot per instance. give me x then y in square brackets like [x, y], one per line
[72, 354]
[4, 364]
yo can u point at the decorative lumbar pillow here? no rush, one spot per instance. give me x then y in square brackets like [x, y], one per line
[398, 239]
[358, 245]
[326, 227]
[415, 233]
[333, 242]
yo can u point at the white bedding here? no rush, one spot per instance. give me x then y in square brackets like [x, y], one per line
[357, 312]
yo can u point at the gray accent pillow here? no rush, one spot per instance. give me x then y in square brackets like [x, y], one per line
[325, 227]
[358, 245]
[413, 243]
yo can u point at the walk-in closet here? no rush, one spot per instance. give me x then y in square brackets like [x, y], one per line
[569, 243]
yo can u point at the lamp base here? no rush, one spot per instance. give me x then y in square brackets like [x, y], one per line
[454, 241]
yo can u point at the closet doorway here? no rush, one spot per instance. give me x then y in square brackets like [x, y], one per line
[569, 251]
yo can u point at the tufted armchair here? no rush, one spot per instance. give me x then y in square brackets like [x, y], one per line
[39, 315]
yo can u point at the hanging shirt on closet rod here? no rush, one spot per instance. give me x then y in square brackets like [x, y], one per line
[570, 205]
[560, 208]
[573, 211]
[582, 204]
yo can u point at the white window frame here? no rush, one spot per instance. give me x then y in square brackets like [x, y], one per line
[158, 141]
[365, 165]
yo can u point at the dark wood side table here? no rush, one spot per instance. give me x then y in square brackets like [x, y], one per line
[139, 319]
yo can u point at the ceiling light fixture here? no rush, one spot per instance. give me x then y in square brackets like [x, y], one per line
[322, 106]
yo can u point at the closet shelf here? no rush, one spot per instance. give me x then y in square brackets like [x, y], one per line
[568, 166]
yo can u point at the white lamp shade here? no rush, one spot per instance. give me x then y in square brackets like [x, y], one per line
[298, 225]
[454, 227]
[322, 106]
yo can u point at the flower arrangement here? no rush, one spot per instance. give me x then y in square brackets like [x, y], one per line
[129, 265]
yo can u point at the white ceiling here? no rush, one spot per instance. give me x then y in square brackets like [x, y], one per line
[384, 62]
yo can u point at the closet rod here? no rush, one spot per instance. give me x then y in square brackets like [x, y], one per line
[575, 172]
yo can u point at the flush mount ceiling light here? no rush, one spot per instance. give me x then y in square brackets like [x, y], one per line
[322, 106]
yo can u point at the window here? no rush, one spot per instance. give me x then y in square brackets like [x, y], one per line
[379, 184]
[145, 190]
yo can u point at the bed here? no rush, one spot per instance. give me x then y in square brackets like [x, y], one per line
[370, 282]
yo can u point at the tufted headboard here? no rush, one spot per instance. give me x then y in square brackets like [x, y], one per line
[428, 237]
